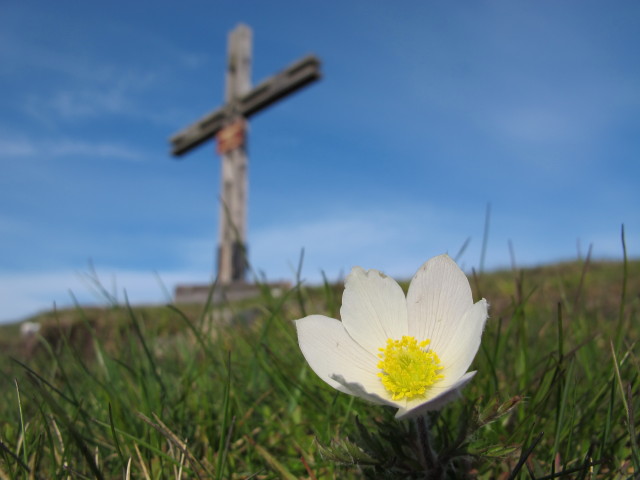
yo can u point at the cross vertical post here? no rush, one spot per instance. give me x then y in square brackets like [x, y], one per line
[232, 247]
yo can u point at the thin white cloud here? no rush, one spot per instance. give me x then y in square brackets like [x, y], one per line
[72, 104]
[536, 124]
[192, 60]
[22, 52]
[110, 150]
[83, 87]
[115, 93]
[16, 147]
[64, 147]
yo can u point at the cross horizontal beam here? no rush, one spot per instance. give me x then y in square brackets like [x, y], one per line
[292, 78]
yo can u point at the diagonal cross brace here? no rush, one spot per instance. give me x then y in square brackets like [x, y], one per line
[292, 78]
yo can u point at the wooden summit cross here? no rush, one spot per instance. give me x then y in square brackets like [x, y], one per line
[228, 125]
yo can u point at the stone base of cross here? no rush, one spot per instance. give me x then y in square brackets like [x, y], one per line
[220, 294]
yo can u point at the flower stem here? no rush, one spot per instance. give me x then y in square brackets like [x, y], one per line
[428, 457]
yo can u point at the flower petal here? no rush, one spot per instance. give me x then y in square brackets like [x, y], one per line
[373, 309]
[443, 396]
[458, 351]
[439, 296]
[332, 353]
[378, 395]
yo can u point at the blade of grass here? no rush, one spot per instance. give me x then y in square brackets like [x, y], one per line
[461, 250]
[524, 456]
[628, 408]
[560, 335]
[17, 458]
[632, 429]
[563, 403]
[277, 466]
[174, 440]
[115, 437]
[139, 442]
[298, 286]
[25, 453]
[583, 274]
[223, 442]
[145, 472]
[623, 295]
[485, 237]
[150, 359]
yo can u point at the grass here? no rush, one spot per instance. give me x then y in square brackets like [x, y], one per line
[223, 392]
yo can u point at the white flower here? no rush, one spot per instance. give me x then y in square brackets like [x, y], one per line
[411, 353]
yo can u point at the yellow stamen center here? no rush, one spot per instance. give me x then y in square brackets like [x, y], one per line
[407, 367]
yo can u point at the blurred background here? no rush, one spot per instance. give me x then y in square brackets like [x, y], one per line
[429, 115]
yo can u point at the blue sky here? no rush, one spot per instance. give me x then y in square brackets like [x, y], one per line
[427, 112]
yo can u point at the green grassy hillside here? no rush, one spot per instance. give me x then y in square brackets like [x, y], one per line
[224, 392]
